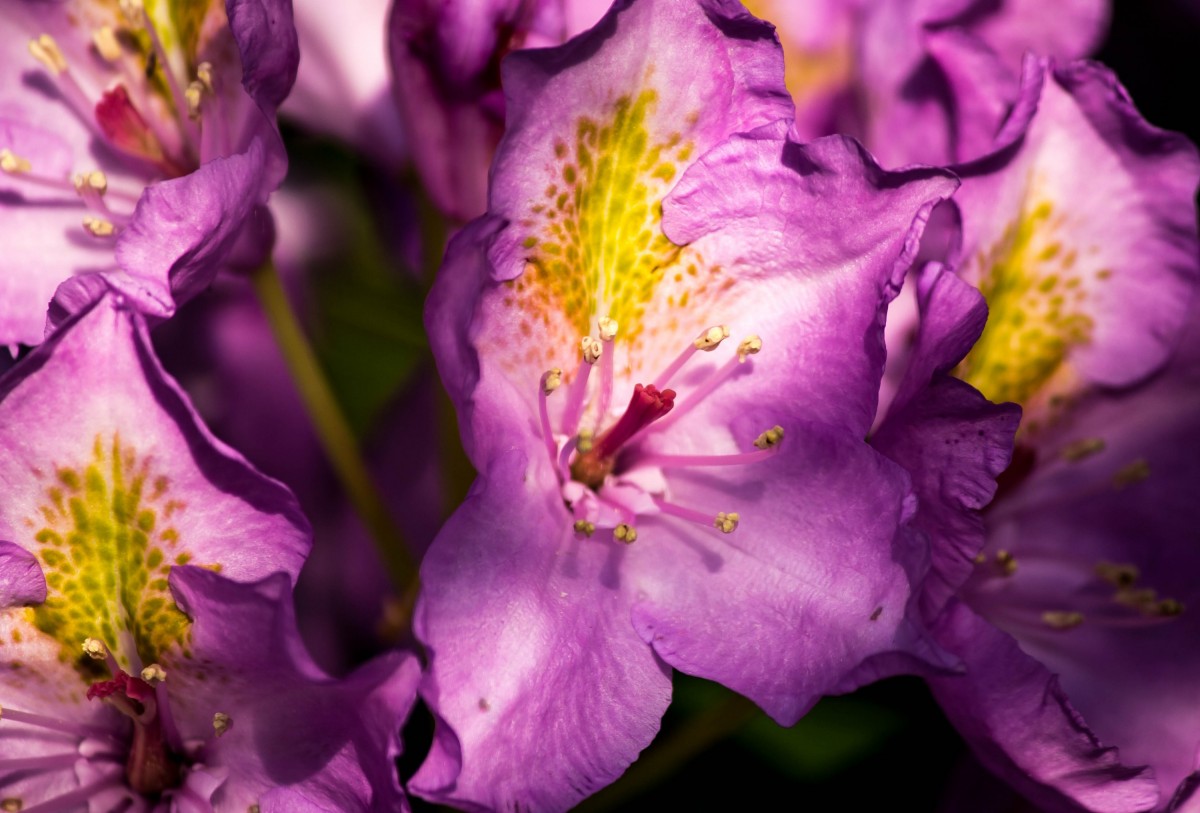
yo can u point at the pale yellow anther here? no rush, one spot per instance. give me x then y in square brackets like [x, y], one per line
[95, 649]
[133, 10]
[711, 339]
[253, 809]
[1118, 575]
[552, 380]
[582, 526]
[1062, 619]
[625, 533]
[98, 227]
[204, 73]
[1006, 562]
[608, 329]
[194, 95]
[154, 674]
[1135, 472]
[1081, 449]
[1140, 598]
[1168, 608]
[980, 558]
[591, 348]
[12, 163]
[107, 44]
[12, 805]
[584, 440]
[748, 347]
[222, 722]
[770, 438]
[96, 181]
[46, 51]
[726, 523]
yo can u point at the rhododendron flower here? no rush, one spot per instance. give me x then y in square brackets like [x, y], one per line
[1072, 618]
[137, 148]
[149, 655]
[665, 343]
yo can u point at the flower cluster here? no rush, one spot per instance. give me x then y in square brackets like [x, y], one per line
[788, 346]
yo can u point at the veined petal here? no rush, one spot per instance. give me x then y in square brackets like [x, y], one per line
[1086, 283]
[112, 481]
[531, 652]
[1021, 725]
[582, 183]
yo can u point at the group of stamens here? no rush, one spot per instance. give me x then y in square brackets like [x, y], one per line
[589, 456]
[1121, 577]
[92, 186]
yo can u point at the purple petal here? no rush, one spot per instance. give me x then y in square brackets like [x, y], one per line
[532, 658]
[1012, 711]
[269, 48]
[783, 608]
[21, 579]
[298, 739]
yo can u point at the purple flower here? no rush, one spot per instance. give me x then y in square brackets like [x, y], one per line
[1072, 618]
[138, 145]
[149, 651]
[445, 60]
[656, 492]
[1080, 232]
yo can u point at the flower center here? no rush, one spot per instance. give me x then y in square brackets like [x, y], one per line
[148, 110]
[607, 478]
[591, 466]
[152, 765]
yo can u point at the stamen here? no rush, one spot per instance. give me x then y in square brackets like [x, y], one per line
[154, 674]
[724, 522]
[681, 461]
[1135, 472]
[1062, 619]
[608, 333]
[564, 457]
[53, 724]
[727, 523]
[12, 805]
[708, 341]
[592, 349]
[625, 533]
[95, 181]
[13, 164]
[107, 44]
[608, 329]
[98, 227]
[95, 649]
[1006, 563]
[750, 346]
[769, 439]
[1118, 575]
[204, 73]
[582, 526]
[1082, 449]
[46, 51]
[222, 722]
[551, 380]
[697, 396]
[194, 96]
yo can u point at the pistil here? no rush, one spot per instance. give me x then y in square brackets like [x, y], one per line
[645, 407]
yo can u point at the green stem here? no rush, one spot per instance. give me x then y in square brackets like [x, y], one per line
[332, 428]
[668, 755]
